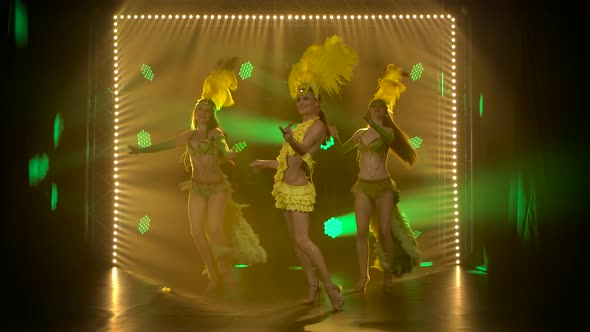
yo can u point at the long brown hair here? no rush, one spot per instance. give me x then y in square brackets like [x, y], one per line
[323, 117]
[401, 146]
[213, 121]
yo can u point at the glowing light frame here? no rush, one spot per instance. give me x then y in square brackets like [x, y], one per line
[449, 151]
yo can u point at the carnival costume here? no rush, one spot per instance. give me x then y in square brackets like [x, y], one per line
[322, 68]
[244, 247]
[406, 254]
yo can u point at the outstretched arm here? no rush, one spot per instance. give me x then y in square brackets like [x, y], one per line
[350, 144]
[259, 164]
[179, 140]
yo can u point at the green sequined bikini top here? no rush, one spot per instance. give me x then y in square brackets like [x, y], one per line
[376, 145]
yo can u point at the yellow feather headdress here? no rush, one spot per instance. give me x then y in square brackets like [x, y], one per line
[323, 68]
[390, 86]
[218, 86]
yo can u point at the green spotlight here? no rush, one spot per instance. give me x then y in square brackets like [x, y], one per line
[144, 224]
[147, 72]
[347, 224]
[481, 268]
[417, 71]
[332, 227]
[238, 147]
[481, 104]
[295, 268]
[328, 144]
[425, 264]
[58, 128]
[415, 142]
[416, 233]
[144, 139]
[38, 168]
[53, 196]
[241, 266]
[21, 24]
[484, 267]
[246, 70]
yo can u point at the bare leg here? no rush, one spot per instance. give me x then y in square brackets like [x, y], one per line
[197, 211]
[384, 205]
[300, 222]
[314, 286]
[218, 240]
[303, 259]
[362, 210]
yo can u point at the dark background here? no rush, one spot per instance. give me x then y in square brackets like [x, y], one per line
[533, 130]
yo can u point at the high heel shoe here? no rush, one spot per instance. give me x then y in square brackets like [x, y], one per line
[213, 287]
[361, 285]
[313, 292]
[335, 296]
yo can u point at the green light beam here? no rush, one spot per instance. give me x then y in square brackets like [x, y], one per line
[245, 126]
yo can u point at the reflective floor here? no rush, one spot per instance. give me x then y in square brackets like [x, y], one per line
[267, 299]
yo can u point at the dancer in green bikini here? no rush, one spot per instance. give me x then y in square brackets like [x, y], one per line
[220, 232]
[375, 193]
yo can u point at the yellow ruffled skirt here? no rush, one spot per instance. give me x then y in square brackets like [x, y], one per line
[294, 198]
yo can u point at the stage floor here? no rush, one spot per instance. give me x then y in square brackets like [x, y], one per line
[267, 299]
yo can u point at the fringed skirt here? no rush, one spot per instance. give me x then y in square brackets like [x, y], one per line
[294, 198]
[245, 245]
[406, 254]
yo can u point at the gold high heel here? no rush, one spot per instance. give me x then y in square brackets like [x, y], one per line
[361, 285]
[213, 287]
[214, 283]
[314, 292]
[337, 301]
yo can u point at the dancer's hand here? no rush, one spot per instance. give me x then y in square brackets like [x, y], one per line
[230, 157]
[287, 132]
[333, 130]
[257, 165]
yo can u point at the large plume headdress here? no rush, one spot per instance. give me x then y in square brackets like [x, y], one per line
[219, 85]
[390, 86]
[323, 68]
